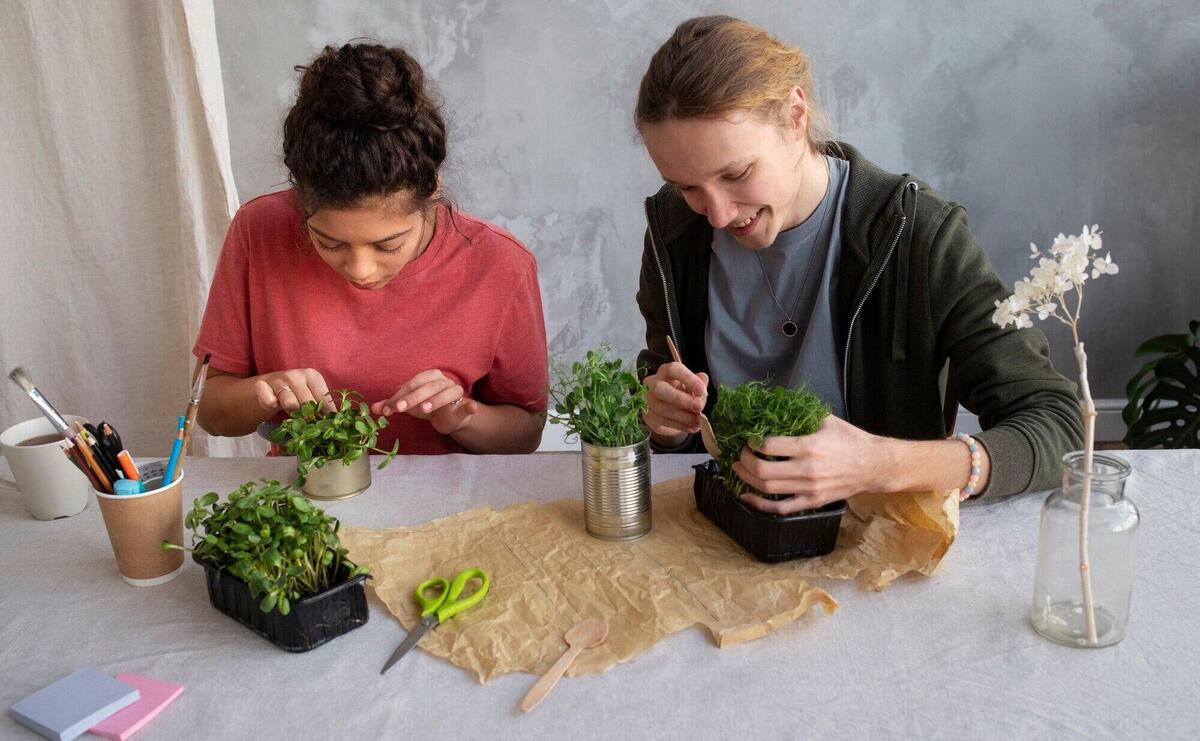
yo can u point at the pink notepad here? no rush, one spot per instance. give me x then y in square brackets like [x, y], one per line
[155, 695]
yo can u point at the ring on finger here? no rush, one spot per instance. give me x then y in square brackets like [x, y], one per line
[282, 388]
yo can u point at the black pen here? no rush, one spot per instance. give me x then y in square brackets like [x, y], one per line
[108, 462]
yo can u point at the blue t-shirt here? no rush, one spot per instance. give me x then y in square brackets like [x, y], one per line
[744, 340]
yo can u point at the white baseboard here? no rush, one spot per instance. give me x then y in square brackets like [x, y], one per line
[1109, 426]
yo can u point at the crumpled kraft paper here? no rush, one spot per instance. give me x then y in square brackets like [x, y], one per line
[547, 574]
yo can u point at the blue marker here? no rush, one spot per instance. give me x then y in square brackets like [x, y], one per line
[126, 487]
[169, 476]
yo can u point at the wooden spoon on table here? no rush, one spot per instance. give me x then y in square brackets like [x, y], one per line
[586, 634]
[706, 431]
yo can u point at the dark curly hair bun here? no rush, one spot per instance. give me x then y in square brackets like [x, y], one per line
[364, 124]
[368, 85]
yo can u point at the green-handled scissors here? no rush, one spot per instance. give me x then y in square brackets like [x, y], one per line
[440, 608]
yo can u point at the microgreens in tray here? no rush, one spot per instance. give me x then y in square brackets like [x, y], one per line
[753, 411]
[273, 539]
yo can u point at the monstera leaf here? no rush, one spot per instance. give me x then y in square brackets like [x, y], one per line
[1164, 397]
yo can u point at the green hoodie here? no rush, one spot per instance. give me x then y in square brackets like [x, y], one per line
[913, 318]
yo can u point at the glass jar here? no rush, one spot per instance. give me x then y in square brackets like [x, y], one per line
[1058, 611]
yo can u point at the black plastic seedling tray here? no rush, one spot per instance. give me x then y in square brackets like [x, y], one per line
[767, 537]
[312, 620]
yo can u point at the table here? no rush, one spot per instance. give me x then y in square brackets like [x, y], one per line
[949, 656]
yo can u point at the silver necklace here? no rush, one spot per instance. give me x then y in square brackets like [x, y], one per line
[789, 328]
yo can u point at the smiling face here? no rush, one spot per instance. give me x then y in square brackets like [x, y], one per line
[746, 173]
[368, 244]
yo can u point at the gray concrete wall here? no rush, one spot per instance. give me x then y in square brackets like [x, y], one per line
[1038, 117]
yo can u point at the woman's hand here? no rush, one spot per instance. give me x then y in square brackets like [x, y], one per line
[289, 389]
[431, 395]
[674, 400]
[836, 462]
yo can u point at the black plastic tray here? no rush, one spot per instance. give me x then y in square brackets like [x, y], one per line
[769, 538]
[312, 620]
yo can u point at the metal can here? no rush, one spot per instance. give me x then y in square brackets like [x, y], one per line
[337, 480]
[616, 491]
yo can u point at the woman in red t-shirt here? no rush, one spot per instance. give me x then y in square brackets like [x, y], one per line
[363, 277]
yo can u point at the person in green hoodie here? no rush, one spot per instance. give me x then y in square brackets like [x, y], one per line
[775, 253]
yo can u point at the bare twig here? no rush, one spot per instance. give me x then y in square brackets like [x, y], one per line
[1088, 408]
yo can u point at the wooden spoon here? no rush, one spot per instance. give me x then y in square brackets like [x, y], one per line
[586, 634]
[706, 431]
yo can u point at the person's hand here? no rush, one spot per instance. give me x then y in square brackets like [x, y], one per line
[431, 395]
[674, 400]
[289, 389]
[835, 462]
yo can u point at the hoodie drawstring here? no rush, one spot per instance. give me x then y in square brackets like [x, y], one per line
[900, 308]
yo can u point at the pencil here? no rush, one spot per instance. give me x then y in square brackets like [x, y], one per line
[86, 451]
[173, 460]
[77, 461]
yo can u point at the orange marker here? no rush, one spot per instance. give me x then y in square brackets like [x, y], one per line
[126, 461]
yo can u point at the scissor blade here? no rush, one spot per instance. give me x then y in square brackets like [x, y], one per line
[409, 641]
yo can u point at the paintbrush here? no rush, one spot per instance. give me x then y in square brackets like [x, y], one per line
[189, 418]
[21, 377]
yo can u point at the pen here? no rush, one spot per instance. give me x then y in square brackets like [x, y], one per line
[173, 461]
[111, 442]
[105, 457]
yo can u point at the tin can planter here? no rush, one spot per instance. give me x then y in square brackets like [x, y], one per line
[312, 621]
[616, 491]
[337, 480]
[769, 538]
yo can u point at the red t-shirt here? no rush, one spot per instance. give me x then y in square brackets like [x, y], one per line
[468, 306]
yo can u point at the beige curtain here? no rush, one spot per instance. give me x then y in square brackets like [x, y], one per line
[115, 192]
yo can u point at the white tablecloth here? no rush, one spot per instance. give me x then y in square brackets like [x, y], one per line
[950, 656]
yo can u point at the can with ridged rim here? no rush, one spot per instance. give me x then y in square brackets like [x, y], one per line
[616, 491]
[337, 480]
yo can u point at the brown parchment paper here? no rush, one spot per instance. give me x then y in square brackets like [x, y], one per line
[547, 574]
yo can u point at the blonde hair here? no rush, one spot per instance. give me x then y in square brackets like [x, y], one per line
[715, 65]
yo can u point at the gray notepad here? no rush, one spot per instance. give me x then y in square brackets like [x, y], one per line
[73, 704]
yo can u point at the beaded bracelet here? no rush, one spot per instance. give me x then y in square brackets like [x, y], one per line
[968, 491]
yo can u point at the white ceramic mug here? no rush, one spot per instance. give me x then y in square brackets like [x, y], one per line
[51, 486]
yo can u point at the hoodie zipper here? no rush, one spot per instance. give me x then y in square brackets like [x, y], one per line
[662, 276]
[863, 300]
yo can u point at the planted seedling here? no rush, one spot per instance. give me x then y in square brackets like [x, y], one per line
[317, 438]
[600, 400]
[753, 411]
[273, 539]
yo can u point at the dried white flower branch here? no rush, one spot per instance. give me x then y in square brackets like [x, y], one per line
[1046, 293]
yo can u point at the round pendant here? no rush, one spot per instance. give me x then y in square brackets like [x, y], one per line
[789, 328]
